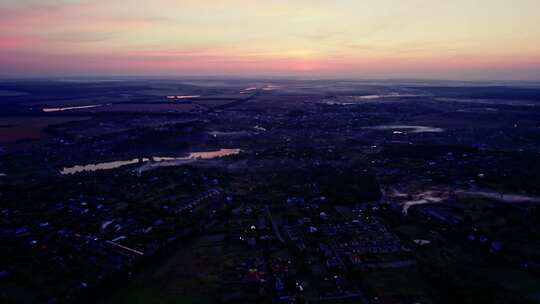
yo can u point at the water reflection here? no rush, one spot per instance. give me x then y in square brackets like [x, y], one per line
[101, 166]
[388, 95]
[183, 96]
[248, 90]
[439, 195]
[501, 196]
[397, 129]
[426, 197]
[271, 87]
[48, 110]
[152, 162]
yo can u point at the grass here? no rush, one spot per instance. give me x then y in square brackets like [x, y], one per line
[390, 283]
[28, 128]
[190, 276]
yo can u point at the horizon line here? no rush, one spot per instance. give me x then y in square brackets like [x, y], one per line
[251, 77]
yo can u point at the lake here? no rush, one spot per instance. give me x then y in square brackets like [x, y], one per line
[412, 129]
[153, 162]
[50, 110]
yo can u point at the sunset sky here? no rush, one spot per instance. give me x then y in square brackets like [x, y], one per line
[457, 39]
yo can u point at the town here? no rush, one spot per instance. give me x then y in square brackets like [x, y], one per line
[269, 191]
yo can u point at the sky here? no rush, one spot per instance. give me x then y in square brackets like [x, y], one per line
[442, 39]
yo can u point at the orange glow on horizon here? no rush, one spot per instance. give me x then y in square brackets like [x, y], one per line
[484, 39]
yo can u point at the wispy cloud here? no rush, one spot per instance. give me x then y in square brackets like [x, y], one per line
[82, 37]
[187, 36]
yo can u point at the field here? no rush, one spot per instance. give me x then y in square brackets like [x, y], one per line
[14, 129]
[190, 275]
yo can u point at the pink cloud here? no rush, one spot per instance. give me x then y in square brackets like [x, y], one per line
[235, 62]
[19, 19]
[17, 42]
